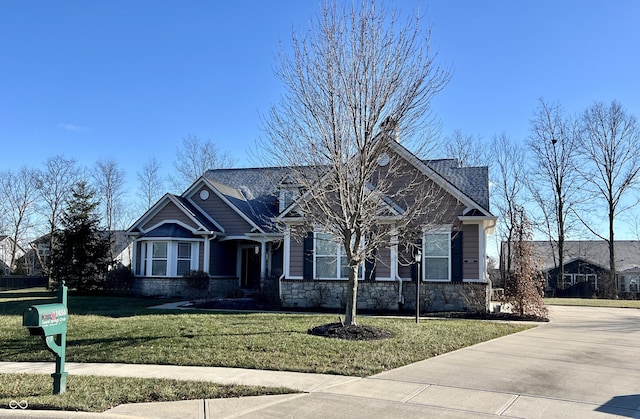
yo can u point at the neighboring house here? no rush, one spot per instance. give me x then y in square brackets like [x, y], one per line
[225, 225]
[122, 248]
[39, 256]
[7, 246]
[585, 262]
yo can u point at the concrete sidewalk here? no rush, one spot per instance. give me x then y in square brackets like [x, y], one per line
[581, 365]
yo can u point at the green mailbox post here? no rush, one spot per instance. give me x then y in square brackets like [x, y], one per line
[49, 321]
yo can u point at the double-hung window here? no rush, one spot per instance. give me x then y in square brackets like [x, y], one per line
[184, 258]
[159, 253]
[330, 258]
[436, 251]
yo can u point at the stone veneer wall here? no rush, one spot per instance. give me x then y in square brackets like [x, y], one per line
[178, 287]
[434, 296]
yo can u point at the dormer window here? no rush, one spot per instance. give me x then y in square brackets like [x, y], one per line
[287, 196]
[289, 192]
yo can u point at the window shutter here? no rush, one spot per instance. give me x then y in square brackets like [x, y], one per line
[307, 270]
[456, 257]
[370, 267]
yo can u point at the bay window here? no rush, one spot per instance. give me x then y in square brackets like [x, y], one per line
[168, 258]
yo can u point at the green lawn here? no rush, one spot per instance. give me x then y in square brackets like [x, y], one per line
[114, 329]
[97, 394]
[592, 302]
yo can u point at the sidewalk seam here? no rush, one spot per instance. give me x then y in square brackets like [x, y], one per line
[414, 394]
[507, 405]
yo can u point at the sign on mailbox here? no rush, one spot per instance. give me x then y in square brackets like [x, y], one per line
[45, 319]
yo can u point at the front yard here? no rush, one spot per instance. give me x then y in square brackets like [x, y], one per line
[114, 329]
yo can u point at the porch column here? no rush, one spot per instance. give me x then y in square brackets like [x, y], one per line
[263, 262]
[134, 257]
[482, 253]
[207, 252]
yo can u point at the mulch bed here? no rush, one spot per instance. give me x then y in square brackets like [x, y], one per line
[352, 332]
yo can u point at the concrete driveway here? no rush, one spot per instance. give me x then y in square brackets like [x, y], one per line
[584, 364]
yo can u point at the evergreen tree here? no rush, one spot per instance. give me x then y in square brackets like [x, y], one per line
[81, 247]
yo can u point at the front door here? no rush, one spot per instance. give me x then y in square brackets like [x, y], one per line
[250, 268]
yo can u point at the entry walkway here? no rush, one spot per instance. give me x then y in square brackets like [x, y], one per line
[581, 365]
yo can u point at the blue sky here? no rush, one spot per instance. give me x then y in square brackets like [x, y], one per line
[130, 79]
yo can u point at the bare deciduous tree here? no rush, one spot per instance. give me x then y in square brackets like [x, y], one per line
[109, 182]
[150, 183]
[355, 83]
[468, 149]
[193, 159]
[524, 287]
[554, 181]
[54, 184]
[611, 140]
[508, 180]
[18, 189]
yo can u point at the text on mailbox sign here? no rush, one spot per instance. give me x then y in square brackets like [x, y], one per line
[54, 318]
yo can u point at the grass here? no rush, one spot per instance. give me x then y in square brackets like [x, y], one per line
[113, 329]
[592, 302]
[97, 394]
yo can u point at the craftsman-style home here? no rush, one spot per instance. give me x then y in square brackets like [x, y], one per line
[235, 225]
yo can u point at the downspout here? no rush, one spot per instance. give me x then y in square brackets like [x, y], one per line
[484, 247]
[484, 262]
[280, 286]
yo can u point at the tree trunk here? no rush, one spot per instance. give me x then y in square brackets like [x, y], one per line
[352, 296]
[612, 257]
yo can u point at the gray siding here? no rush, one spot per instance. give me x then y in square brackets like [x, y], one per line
[224, 215]
[296, 261]
[169, 212]
[470, 249]
[201, 256]
[383, 257]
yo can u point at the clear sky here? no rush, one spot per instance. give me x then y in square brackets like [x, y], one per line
[130, 79]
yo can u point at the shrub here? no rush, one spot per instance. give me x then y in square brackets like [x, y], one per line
[197, 283]
[120, 279]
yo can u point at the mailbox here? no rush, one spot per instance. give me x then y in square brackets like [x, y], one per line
[45, 319]
[49, 321]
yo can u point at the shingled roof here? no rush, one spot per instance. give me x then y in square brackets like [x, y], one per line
[627, 253]
[255, 191]
[472, 181]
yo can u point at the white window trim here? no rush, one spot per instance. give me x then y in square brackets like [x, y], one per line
[146, 258]
[444, 229]
[338, 261]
